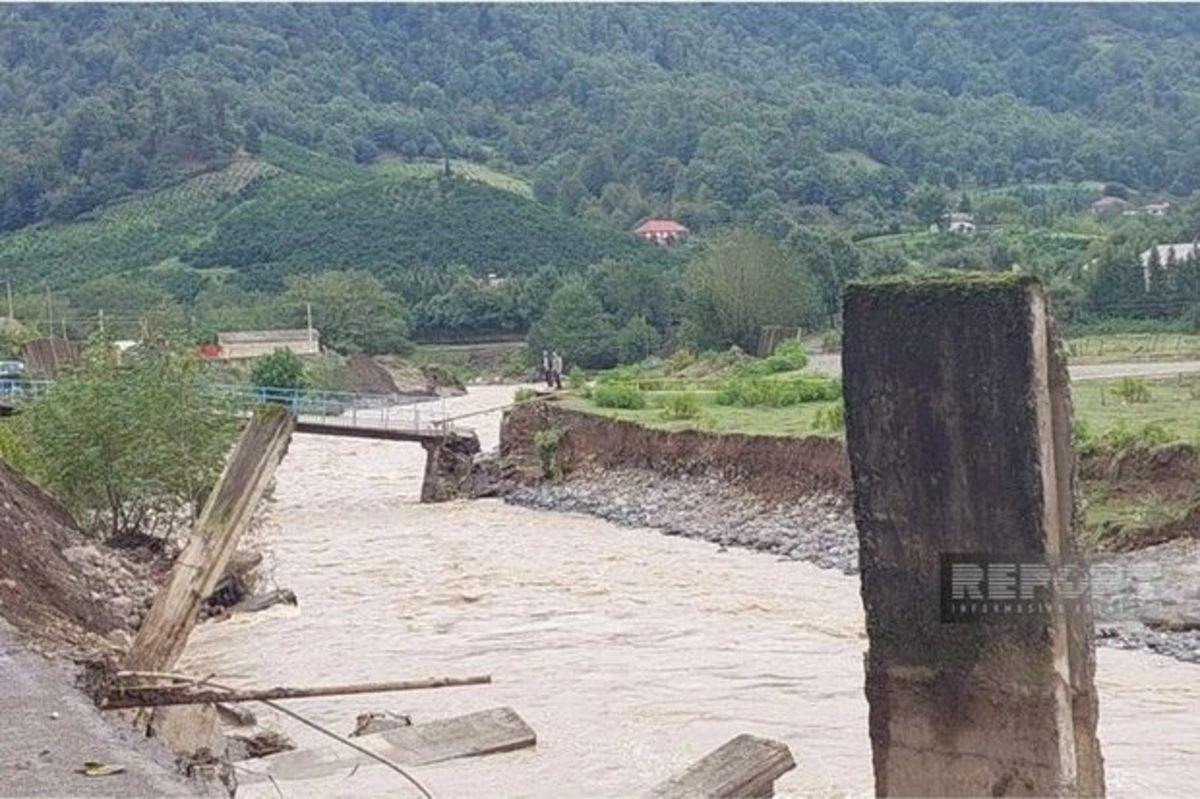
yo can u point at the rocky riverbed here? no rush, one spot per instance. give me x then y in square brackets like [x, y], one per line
[1148, 599]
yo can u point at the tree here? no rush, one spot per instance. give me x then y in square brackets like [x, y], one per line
[352, 310]
[281, 369]
[576, 326]
[929, 203]
[636, 340]
[740, 283]
[131, 446]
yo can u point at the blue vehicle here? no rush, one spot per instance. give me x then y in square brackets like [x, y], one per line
[12, 375]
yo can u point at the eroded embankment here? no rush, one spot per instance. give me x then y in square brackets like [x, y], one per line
[784, 496]
[791, 497]
[56, 585]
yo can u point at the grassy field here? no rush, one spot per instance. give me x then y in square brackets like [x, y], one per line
[1114, 412]
[796, 420]
[398, 167]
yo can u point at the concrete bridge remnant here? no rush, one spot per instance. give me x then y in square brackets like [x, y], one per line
[449, 464]
[958, 422]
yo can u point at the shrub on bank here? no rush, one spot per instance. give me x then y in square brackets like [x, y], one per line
[680, 406]
[778, 393]
[610, 395]
[831, 419]
[1132, 390]
[524, 394]
[546, 443]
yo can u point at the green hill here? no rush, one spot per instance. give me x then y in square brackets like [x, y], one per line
[715, 113]
[295, 211]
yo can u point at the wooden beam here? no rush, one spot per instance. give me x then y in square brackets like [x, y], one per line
[226, 515]
[744, 768]
[159, 696]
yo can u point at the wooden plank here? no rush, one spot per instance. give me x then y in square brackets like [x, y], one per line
[482, 733]
[225, 517]
[744, 768]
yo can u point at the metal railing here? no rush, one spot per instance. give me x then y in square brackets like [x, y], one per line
[400, 413]
[394, 412]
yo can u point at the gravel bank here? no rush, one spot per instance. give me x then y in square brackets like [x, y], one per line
[1159, 584]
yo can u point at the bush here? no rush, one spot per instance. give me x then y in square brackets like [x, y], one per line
[831, 419]
[1132, 390]
[13, 449]
[281, 369]
[524, 395]
[576, 379]
[546, 443]
[1121, 436]
[611, 395]
[779, 393]
[680, 406]
[680, 360]
[788, 357]
[133, 448]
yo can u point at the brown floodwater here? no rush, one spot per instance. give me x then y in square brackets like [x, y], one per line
[630, 653]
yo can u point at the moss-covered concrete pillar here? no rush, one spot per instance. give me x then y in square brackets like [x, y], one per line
[979, 672]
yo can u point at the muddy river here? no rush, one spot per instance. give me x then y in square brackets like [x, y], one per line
[630, 653]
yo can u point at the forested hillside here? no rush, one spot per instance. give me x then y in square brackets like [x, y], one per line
[713, 113]
[252, 244]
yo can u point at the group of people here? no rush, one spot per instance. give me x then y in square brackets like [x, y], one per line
[552, 369]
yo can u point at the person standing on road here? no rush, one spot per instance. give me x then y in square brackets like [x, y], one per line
[556, 367]
[546, 369]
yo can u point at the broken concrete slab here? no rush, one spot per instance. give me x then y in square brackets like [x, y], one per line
[744, 768]
[482, 733]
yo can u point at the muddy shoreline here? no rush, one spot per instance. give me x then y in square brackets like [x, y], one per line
[783, 502]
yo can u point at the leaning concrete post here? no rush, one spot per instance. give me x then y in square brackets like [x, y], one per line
[164, 632]
[958, 425]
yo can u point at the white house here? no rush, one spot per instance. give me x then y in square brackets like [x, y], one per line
[255, 343]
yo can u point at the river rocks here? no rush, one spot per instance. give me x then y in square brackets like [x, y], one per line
[817, 529]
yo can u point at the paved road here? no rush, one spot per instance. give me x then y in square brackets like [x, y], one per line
[39, 753]
[832, 364]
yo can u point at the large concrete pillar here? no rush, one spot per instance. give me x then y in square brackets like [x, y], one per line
[958, 425]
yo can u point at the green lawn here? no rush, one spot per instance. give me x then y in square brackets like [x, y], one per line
[795, 420]
[1173, 404]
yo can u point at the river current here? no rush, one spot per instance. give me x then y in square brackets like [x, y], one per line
[630, 653]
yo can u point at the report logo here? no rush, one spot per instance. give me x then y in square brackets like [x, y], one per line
[979, 588]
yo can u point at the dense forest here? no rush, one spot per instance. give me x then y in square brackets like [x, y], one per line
[714, 113]
[477, 169]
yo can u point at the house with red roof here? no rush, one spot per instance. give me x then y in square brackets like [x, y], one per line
[662, 231]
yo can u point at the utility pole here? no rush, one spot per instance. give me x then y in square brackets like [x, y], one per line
[308, 311]
[102, 321]
[8, 285]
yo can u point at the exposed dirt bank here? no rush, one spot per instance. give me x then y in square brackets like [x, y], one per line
[791, 498]
[57, 586]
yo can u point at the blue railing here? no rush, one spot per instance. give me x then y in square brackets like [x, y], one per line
[336, 408]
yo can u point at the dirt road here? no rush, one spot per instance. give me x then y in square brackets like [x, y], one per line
[832, 364]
